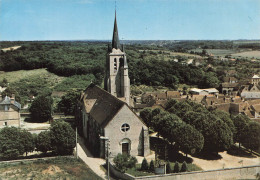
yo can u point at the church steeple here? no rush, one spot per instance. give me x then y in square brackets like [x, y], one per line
[115, 40]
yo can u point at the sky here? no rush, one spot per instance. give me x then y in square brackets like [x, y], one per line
[136, 19]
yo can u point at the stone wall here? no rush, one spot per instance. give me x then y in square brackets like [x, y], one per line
[248, 172]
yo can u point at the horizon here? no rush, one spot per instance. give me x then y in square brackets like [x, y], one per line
[140, 20]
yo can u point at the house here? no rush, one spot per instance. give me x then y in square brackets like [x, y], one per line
[229, 88]
[107, 112]
[9, 112]
[250, 92]
[255, 80]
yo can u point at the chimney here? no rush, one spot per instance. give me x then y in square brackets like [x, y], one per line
[12, 98]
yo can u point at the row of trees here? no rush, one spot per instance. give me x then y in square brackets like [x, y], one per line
[14, 142]
[193, 128]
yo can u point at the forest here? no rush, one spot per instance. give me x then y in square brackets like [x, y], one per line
[151, 63]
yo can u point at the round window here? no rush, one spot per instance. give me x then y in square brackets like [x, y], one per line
[125, 127]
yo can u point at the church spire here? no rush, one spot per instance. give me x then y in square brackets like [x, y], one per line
[115, 40]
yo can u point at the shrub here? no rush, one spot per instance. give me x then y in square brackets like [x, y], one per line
[176, 168]
[144, 166]
[168, 167]
[123, 162]
[27, 141]
[184, 167]
[151, 167]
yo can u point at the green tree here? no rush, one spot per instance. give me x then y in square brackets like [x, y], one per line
[68, 102]
[241, 124]
[62, 137]
[11, 145]
[210, 80]
[27, 141]
[225, 117]
[184, 167]
[144, 166]
[189, 139]
[41, 108]
[146, 115]
[43, 142]
[176, 167]
[151, 167]
[251, 139]
[123, 162]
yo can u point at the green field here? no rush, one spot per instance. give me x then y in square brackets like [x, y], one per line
[15, 76]
[57, 168]
[217, 52]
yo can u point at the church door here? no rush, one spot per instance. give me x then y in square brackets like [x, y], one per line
[125, 148]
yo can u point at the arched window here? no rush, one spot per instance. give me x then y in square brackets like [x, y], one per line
[115, 65]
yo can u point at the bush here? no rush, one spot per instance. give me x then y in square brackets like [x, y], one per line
[168, 168]
[151, 167]
[184, 167]
[176, 168]
[27, 141]
[144, 166]
[43, 142]
[123, 162]
[63, 138]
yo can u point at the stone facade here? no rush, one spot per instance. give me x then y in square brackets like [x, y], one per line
[102, 114]
[9, 112]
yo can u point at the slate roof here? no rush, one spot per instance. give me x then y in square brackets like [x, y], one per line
[7, 101]
[115, 40]
[101, 105]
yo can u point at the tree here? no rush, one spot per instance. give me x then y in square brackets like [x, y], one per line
[62, 137]
[251, 139]
[189, 139]
[43, 142]
[184, 167]
[241, 123]
[68, 102]
[225, 117]
[41, 108]
[151, 167]
[10, 143]
[168, 167]
[27, 141]
[146, 115]
[123, 162]
[176, 168]
[144, 166]
[210, 80]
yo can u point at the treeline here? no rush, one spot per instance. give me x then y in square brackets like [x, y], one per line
[193, 128]
[15, 142]
[61, 58]
[169, 74]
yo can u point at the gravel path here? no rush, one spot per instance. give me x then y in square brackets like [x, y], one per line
[92, 162]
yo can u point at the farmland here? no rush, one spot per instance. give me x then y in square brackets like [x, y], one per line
[247, 54]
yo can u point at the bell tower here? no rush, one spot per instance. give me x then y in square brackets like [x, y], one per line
[117, 81]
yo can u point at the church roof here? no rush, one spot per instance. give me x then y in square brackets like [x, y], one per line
[115, 40]
[103, 106]
[255, 77]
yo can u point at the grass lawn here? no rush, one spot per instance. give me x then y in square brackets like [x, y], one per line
[247, 54]
[58, 168]
[15, 76]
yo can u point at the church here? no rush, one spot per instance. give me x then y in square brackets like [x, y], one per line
[107, 112]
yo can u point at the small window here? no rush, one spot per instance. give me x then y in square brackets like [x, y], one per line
[125, 127]
[5, 123]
